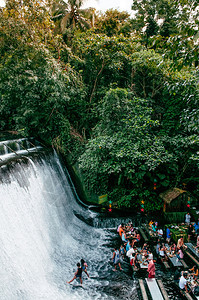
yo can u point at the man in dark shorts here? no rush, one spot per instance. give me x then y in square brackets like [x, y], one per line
[78, 274]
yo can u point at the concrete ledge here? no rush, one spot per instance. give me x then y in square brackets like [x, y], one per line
[143, 290]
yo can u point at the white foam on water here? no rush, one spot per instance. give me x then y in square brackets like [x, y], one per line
[41, 238]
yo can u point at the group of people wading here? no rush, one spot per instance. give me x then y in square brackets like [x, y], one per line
[130, 238]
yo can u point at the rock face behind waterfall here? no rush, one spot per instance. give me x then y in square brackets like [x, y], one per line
[44, 233]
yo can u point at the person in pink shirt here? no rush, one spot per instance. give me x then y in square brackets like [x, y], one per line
[180, 254]
[151, 269]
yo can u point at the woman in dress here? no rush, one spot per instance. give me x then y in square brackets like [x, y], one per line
[151, 269]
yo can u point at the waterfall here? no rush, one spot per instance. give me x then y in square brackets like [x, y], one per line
[42, 238]
[15, 148]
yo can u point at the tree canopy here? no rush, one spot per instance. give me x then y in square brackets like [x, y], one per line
[171, 27]
[118, 95]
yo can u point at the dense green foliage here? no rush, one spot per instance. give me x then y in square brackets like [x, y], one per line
[170, 27]
[121, 99]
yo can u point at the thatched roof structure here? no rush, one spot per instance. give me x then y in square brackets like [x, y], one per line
[171, 194]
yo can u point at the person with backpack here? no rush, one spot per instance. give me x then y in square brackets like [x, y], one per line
[116, 259]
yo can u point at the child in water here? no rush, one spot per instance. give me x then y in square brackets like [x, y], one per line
[78, 274]
[84, 266]
[122, 251]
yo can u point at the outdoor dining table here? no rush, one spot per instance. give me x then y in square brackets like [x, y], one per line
[179, 231]
[151, 233]
[191, 284]
[192, 249]
[172, 257]
[143, 262]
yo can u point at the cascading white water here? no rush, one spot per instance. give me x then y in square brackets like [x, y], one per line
[42, 239]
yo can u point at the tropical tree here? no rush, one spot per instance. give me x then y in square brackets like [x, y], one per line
[124, 151]
[35, 88]
[113, 22]
[177, 36]
[103, 62]
[74, 18]
[26, 22]
[70, 17]
[58, 9]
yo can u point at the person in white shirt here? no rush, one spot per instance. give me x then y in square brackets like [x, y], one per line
[160, 232]
[187, 218]
[150, 256]
[130, 252]
[183, 282]
[119, 228]
[162, 251]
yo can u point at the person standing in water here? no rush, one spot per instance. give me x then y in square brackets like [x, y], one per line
[84, 266]
[78, 274]
[151, 269]
[116, 259]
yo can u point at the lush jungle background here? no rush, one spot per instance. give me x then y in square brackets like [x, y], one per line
[118, 95]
